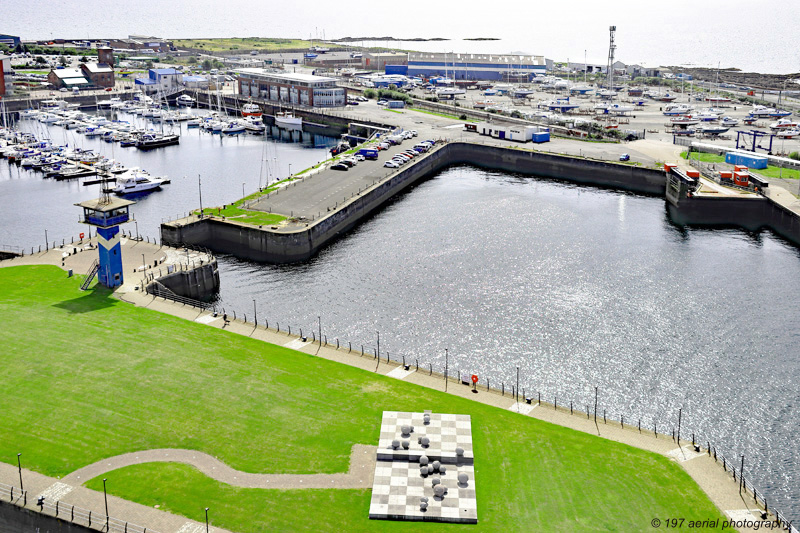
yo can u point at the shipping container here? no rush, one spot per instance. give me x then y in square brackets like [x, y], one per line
[746, 160]
[741, 178]
[693, 173]
[396, 104]
[541, 137]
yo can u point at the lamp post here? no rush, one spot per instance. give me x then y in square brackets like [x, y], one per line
[255, 315]
[242, 190]
[137, 229]
[105, 498]
[446, 361]
[144, 265]
[19, 466]
[517, 389]
[290, 169]
[319, 324]
[200, 188]
[206, 519]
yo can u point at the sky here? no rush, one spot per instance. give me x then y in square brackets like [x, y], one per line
[752, 35]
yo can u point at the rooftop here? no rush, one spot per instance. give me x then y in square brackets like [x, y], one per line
[292, 76]
[101, 204]
[63, 73]
[98, 67]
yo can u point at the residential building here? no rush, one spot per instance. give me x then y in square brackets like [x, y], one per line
[291, 88]
[475, 66]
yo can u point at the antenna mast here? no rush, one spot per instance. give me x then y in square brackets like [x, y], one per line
[611, 47]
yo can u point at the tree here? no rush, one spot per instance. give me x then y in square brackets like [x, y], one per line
[84, 59]
[207, 64]
[62, 61]
[40, 60]
[169, 59]
[192, 60]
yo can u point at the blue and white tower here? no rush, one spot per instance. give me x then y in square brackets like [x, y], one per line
[106, 214]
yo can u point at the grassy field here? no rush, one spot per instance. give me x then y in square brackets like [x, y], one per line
[92, 377]
[235, 212]
[770, 172]
[246, 43]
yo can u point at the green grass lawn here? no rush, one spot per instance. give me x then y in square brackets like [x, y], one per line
[770, 172]
[235, 212]
[247, 43]
[91, 377]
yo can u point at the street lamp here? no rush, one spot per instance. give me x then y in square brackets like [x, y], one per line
[319, 323]
[144, 264]
[105, 498]
[19, 466]
[137, 229]
[206, 519]
[255, 315]
[242, 190]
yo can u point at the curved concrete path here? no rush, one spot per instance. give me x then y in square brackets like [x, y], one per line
[359, 475]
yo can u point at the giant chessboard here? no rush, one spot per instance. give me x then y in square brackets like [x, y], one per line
[399, 484]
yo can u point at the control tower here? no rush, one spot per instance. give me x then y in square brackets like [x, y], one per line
[106, 214]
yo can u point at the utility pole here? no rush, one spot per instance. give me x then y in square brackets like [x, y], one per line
[200, 188]
[445, 368]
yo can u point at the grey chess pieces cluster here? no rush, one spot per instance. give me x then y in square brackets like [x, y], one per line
[430, 477]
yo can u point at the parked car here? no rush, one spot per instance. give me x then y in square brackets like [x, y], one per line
[340, 166]
[383, 102]
[349, 162]
[391, 164]
[414, 133]
[625, 157]
[359, 157]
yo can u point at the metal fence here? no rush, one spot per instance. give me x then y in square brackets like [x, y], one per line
[72, 513]
[521, 394]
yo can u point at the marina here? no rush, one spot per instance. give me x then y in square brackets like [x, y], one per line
[565, 234]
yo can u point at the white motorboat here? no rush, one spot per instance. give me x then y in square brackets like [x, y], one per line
[730, 122]
[286, 119]
[136, 180]
[713, 130]
[687, 120]
[185, 100]
[790, 133]
[232, 128]
[676, 109]
[783, 124]
[193, 123]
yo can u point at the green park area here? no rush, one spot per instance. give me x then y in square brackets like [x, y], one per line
[88, 377]
[771, 171]
[264, 44]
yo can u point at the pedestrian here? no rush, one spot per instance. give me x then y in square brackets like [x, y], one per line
[40, 503]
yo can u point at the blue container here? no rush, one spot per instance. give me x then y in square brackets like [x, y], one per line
[749, 160]
[541, 137]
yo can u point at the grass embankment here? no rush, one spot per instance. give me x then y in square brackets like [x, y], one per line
[235, 212]
[91, 377]
[247, 43]
[770, 172]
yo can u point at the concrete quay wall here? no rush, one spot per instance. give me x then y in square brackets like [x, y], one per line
[198, 283]
[751, 214]
[266, 245]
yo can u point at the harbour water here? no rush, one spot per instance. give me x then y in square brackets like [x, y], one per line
[580, 287]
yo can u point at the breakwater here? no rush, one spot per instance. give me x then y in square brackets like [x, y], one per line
[282, 246]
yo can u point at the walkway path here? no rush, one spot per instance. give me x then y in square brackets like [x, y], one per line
[359, 476]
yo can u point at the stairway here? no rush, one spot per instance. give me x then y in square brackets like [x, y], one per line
[90, 274]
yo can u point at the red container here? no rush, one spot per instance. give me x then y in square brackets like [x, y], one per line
[693, 173]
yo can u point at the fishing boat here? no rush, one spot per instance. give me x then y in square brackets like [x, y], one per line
[251, 110]
[136, 180]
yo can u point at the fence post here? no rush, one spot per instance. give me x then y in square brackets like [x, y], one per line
[56, 507]
[417, 363]
[337, 343]
[349, 346]
[430, 373]
[622, 421]
[604, 416]
[72, 514]
[290, 330]
[362, 350]
[540, 398]
[587, 413]
[570, 407]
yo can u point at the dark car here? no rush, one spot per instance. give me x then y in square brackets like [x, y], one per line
[340, 166]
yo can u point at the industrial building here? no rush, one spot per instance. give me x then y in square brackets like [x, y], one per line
[141, 43]
[100, 74]
[476, 66]
[379, 60]
[291, 88]
[10, 40]
[164, 80]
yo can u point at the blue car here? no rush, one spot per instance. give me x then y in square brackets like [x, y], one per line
[625, 157]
